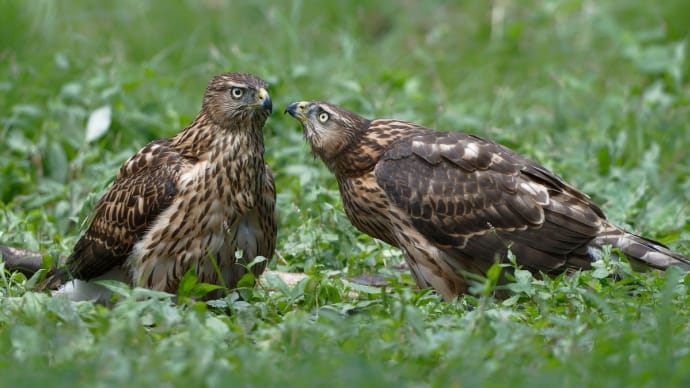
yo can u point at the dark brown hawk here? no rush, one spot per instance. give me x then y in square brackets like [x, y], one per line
[193, 201]
[456, 203]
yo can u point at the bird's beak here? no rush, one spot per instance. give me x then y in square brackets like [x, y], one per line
[297, 110]
[265, 100]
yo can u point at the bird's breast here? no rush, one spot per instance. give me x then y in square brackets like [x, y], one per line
[367, 206]
[241, 163]
[204, 220]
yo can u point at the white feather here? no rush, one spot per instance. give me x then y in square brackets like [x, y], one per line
[80, 290]
[471, 151]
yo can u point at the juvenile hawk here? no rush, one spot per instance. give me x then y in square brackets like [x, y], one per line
[455, 202]
[187, 202]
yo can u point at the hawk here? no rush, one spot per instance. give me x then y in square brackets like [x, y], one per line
[455, 203]
[202, 200]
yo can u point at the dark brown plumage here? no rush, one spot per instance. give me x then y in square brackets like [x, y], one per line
[183, 203]
[456, 203]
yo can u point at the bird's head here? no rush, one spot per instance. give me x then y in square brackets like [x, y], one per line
[237, 100]
[328, 128]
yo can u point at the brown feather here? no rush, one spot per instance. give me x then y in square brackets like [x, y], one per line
[455, 202]
[180, 203]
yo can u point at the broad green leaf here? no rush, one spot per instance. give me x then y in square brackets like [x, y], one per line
[98, 123]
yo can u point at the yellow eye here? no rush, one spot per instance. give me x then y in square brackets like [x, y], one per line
[236, 93]
[323, 117]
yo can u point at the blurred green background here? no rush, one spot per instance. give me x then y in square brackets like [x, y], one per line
[598, 91]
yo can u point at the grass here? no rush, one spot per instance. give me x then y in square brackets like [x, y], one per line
[597, 91]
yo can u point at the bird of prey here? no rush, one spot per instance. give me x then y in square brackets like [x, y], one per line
[193, 201]
[455, 203]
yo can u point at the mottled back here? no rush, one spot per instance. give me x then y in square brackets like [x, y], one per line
[457, 203]
[145, 185]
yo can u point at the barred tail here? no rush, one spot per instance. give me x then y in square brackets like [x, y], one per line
[638, 249]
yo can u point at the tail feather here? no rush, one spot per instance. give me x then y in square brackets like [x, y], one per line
[642, 250]
[22, 260]
[29, 262]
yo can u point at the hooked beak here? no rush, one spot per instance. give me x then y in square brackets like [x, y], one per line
[265, 100]
[297, 110]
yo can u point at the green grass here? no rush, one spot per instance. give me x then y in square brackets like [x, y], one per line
[597, 91]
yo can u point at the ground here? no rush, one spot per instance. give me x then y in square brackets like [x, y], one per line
[596, 91]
